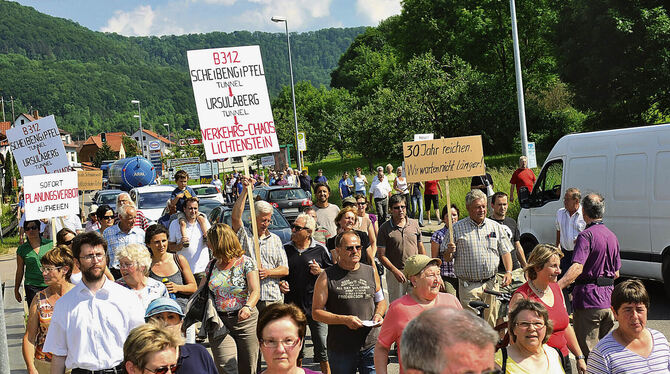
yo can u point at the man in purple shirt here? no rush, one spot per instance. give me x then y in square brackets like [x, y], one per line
[595, 265]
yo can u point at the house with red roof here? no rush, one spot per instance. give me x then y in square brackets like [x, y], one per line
[93, 144]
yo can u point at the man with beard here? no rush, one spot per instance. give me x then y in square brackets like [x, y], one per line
[325, 211]
[91, 322]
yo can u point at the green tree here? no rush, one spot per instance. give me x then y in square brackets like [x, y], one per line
[130, 146]
[104, 153]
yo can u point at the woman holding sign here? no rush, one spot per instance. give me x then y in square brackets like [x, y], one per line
[28, 257]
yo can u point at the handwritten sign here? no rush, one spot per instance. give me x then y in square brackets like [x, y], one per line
[232, 100]
[90, 180]
[51, 195]
[38, 148]
[447, 158]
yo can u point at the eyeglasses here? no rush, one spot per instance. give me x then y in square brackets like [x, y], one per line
[398, 207]
[164, 369]
[28, 228]
[48, 269]
[126, 266]
[526, 325]
[297, 228]
[94, 256]
[352, 248]
[288, 343]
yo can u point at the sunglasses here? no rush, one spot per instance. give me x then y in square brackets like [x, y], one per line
[68, 242]
[297, 228]
[108, 217]
[352, 248]
[28, 228]
[164, 369]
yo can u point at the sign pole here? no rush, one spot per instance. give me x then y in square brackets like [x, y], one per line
[252, 214]
[53, 229]
[449, 223]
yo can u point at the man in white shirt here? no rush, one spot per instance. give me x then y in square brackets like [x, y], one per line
[569, 223]
[91, 322]
[193, 247]
[380, 190]
[122, 234]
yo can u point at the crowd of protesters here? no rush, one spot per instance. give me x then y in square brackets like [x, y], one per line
[120, 294]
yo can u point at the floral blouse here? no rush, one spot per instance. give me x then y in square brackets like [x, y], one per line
[230, 286]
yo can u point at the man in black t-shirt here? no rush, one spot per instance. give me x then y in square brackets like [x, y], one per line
[349, 299]
[499, 214]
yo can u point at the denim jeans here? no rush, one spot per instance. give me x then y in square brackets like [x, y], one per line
[349, 362]
[319, 334]
[417, 201]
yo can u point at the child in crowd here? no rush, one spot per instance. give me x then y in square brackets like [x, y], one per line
[179, 195]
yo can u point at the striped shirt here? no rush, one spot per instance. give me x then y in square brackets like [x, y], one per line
[611, 357]
[447, 267]
[478, 248]
[273, 256]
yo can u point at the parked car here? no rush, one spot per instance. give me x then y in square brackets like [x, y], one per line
[289, 200]
[278, 226]
[106, 197]
[208, 191]
[151, 200]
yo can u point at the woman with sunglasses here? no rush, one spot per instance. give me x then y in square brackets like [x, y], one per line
[28, 257]
[106, 217]
[152, 348]
[56, 267]
[530, 329]
[346, 220]
[281, 333]
[366, 221]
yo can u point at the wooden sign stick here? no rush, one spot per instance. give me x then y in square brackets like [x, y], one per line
[449, 223]
[252, 214]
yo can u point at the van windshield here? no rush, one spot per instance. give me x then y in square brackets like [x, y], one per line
[548, 185]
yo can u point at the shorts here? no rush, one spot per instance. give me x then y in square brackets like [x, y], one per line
[434, 199]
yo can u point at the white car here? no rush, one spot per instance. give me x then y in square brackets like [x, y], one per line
[151, 200]
[208, 191]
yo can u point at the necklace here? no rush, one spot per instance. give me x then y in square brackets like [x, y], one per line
[539, 292]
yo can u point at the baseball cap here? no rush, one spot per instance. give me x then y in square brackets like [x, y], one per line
[92, 209]
[349, 200]
[162, 304]
[416, 263]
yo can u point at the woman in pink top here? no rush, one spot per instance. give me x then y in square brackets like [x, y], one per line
[424, 274]
[543, 270]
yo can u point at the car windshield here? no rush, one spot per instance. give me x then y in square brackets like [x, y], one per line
[287, 194]
[278, 221]
[205, 191]
[154, 199]
[108, 198]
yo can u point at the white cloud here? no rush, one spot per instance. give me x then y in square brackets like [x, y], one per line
[297, 12]
[142, 21]
[223, 2]
[377, 10]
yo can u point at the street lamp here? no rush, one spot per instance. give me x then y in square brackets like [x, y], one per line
[169, 136]
[290, 66]
[139, 115]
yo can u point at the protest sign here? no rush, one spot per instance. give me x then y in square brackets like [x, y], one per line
[267, 161]
[51, 195]
[90, 180]
[232, 100]
[191, 165]
[446, 158]
[38, 148]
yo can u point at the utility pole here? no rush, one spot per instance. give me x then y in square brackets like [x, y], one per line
[519, 81]
[13, 116]
[2, 101]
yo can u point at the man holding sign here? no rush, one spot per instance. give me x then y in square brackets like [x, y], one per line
[479, 244]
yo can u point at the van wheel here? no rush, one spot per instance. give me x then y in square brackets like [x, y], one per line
[528, 243]
[666, 274]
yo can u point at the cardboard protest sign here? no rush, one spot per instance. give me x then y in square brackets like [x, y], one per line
[446, 158]
[90, 180]
[51, 195]
[232, 100]
[38, 148]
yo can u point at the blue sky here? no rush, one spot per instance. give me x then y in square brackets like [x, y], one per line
[166, 17]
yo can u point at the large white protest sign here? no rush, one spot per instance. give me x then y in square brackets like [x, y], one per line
[38, 148]
[51, 195]
[232, 100]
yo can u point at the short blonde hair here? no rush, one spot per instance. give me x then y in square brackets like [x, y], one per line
[223, 242]
[344, 211]
[540, 255]
[147, 339]
[137, 253]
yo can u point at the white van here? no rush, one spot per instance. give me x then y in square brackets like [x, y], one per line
[631, 169]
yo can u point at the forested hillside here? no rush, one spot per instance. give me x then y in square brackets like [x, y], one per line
[88, 78]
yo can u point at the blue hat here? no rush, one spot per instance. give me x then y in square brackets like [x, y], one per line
[163, 304]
